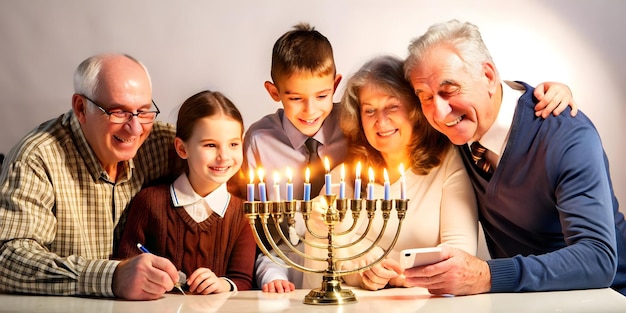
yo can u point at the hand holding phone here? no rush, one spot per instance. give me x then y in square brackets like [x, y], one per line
[420, 256]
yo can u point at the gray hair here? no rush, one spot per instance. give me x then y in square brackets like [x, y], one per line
[427, 146]
[464, 37]
[86, 76]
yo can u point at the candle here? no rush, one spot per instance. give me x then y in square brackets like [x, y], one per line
[307, 185]
[402, 183]
[342, 183]
[276, 187]
[327, 178]
[370, 185]
[386, 184]
[251, 187]
[262, 194]
[357, 182]
[289, 185]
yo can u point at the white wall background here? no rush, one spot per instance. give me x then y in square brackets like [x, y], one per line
[193, 45]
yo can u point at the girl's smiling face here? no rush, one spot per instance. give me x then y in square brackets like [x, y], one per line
[214, 152]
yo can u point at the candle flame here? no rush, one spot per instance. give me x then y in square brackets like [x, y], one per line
[358, 170]
[385, 175]
[261, 174]
[401, 169]
[289, 175]
[343, 172]
[276, 178]
[371, 174]
[251, 176]
[327, 164]
[307, 175]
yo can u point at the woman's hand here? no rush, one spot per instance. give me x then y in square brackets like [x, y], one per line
[553, 98]
[381, 275]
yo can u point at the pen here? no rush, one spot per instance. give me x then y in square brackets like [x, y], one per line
[177, 284]
[142, 248]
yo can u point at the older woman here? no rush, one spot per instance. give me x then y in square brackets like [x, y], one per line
[385, 129]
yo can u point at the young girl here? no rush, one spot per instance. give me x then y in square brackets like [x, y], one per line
[195, 222]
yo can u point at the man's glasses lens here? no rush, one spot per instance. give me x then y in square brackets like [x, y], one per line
[121, 117]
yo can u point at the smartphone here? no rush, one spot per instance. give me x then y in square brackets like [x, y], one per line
[420, 256]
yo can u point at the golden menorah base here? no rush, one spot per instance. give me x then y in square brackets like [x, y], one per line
[330, 291]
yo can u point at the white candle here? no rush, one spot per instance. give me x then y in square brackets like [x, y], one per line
[386, 184]
[342, 182]
[276, 187]
[327, 178]
[357, 182]
[402, 183]
[370, 185]
[289, 185]
[250, 193]
[262, 193]
[307, 185]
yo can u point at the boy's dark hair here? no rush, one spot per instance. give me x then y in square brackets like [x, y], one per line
[302, 49]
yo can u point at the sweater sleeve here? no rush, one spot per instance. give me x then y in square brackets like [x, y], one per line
[136, 223]
[577, 167]
[241, 262]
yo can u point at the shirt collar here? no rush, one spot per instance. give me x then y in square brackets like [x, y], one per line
[495, 138]
[93, 164]
[183, 195]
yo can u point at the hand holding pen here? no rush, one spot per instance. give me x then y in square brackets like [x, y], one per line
[143, 277]
[181, 276]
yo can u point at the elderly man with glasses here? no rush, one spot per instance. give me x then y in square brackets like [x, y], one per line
[64, 187]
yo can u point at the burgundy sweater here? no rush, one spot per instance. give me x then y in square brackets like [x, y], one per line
[224, 245]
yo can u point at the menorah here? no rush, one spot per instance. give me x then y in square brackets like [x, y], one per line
[335, 211]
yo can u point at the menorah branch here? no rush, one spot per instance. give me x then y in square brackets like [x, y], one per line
[334, 212]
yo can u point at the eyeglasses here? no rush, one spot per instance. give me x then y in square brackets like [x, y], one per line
[121, 117]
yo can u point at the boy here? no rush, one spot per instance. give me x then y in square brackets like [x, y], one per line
[304, 80]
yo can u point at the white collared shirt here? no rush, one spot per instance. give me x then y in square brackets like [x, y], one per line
[199, 208]
[496, 137]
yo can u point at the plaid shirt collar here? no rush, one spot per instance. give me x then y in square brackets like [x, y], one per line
[91, 161]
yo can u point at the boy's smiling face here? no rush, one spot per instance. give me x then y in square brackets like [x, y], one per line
[306, 97]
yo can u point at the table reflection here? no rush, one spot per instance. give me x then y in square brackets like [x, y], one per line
[386, 300]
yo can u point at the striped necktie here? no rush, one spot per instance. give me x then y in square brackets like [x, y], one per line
[478, 155]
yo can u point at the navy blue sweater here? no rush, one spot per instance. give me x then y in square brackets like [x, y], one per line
[549, 214]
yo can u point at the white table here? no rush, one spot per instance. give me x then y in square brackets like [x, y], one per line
[386, 301]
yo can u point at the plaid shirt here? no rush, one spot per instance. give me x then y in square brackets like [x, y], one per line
[59, 209]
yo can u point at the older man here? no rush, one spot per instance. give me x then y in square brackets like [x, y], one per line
[544, 192]
[64, 186]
